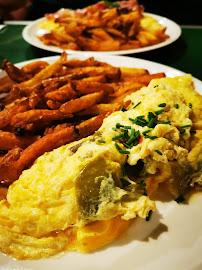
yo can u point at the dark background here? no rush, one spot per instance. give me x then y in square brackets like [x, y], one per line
[182, 12]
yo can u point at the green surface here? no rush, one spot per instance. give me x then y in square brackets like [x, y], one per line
[184, 54]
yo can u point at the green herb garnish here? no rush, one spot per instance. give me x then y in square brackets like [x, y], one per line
[123, 170]
[142, 183]
[166, 123]
[101, 141]
[185, 126]
[136, 105]
[158, 152]
[179, 199]
[176, 106]
[192, 131]
[190, 105]
[159, 111]
[125, 182]
[162, 105]
[111, 4]
[118, 136]
[182, 131]
[123, 109]
[152, 123]
[149, 215]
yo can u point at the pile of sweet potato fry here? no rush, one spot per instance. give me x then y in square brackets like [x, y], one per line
[48, 105]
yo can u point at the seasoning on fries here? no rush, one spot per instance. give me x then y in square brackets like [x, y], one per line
[55, 104]
[104, 26]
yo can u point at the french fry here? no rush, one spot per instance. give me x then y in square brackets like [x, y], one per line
[86, 87]
[9, 140]
[11, 171]
[6, 84]
[14, 73]
[32, 116]
[28, 86]
[99, 109]
[84, 102]
[111, 73]
[7, 114]
[63, 94]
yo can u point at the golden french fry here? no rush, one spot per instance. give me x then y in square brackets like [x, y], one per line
[132, 72]
[84, 102]
[9, 140]
[62, 94]
[39, 115]
[86, 87]
[7, 114]
[99, 109]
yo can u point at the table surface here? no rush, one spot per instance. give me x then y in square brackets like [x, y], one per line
[184, 54]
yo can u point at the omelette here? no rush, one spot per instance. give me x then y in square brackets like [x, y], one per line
[85, 194]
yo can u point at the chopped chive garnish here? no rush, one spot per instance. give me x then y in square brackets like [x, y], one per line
[149, 215]
[158, 152]
[125, 182]
[114, 129]
[111, 4]
[121, 151]
[182, 131]
[122, 108]
[150, 116]
[146, 131]
[192, 131]
[136, 105]
[132, 120]
[127, 146]
[156, 86]
[101, 141]
[159, 111]
[132, 138]
[123, 170]
[118, 125]
[176, 106]
[190, 105]
[142, 183]
[180, 199]
[127, 127]
[153, 137]
[162, 105]
[124, 152]
[118, 136]
[117, 146]
[152, 123]
[166, 123]
[185, 126]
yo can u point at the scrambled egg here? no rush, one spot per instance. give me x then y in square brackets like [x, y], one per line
[81, 196]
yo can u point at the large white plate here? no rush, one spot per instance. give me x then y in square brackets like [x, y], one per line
[172, 239]
[32, 30]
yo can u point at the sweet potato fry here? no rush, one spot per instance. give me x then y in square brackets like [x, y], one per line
[99, 109]
[32, 116]
[12, 171]
[86, 87]
[7, 114]
[6, 84]
[63, 94]
[13, 72]
[27, 87]
[111, 73]
[84, 102]
[34, 67]
[9, 140]
[54, 105]
[132, 72]
[89, 126]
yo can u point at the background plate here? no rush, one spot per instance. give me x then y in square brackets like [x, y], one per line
[172, 239]
[32, 30]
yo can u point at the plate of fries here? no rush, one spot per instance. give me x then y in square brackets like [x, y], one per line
[102, 29]
[42, 102]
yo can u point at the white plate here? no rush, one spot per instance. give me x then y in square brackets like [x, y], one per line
[32, 30]
[172, 239]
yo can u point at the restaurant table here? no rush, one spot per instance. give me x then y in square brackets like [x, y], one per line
[184, 54]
